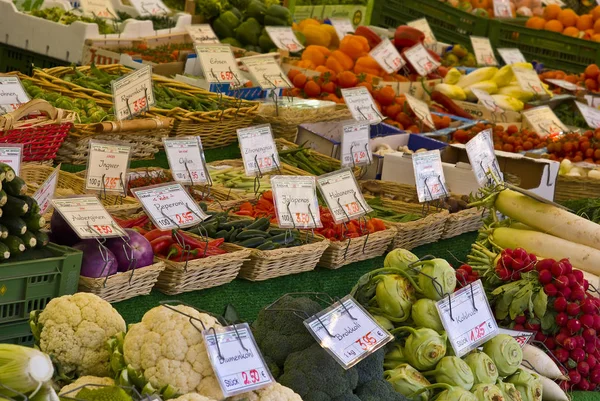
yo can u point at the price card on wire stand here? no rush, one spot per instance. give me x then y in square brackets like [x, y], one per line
[259, 152]
[355, 145]
[296, 203]
[361, 105]
[343, 26]
[87, 217]
[267, 73]
[342, 195]
[429, 176]
[133, 93]
[557, 2]
[169, 206]
[511, 55]
[421, 60]
[590, 114]
[592, 101]
[480, 150]
[561, 83]
[467, 318]
[487, 100]
[544, 122]
[284, 38]
[186, 159]
[202, 34]
[12, 154]
[421, 110]
[236, 360]
[483, 51]
[529, 81]
[43, 196]
[217, 63]
[423, 26]
[502, 9]
[150, 7]
[522, 337]
[12, 94]
[347, 332]
[97, 8]
[387, 56]
[107, 167]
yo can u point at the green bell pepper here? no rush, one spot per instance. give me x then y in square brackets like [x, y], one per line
[257, 10]
[248, 32]
[225, 25]
[278, 16]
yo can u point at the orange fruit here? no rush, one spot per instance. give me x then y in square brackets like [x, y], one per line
[592, 71]
[588, 33]
[567, 17]
[595, 13]
[596, 37]
[535, 23]
[554, 26]
[585, 22]
[597, 26]
[571, 31]
[551, 11]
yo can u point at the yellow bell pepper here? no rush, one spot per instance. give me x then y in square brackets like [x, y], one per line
[316, 35]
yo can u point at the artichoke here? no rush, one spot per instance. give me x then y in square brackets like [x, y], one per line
[453, 371]
[437, 279]
[407, 380]
[400, 259]
[424, 347]
[425, 314]
[394, 296]
[528, 384]
[509, 391]
[483, 368]
[394, 356]
[506, 353]
[487, 392]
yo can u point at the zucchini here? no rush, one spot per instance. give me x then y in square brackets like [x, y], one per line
[15, 225]
[32, 254]
[15, 244]
[42, 239]
[29, 239]
[3, 198]
[251, 243]
[3, 231]
[15, 206]
[34, 208]
[9, 173]
[34, 222]
[15, 187]
[4, 252]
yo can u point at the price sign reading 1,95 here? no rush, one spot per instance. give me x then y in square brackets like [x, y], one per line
[186, 159]
[169, 206]
[236, 360]
[467, 317]
[266, 72]
[87, 217]
[343, 198]
[296, 203]
[387, 56]
[12, 94]
[482, 158]
[217, 63]
[361, 105]
[355, 145]
[259, 152]
[133, 93]
[421, 60]
[511, 55]
[43, 196]
[429, 175]
[347, 332]
[107, 167]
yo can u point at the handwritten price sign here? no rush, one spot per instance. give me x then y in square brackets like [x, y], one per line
[341, 193]
[12, 94]
[43, 196]
[107, 167]
[133, 93]
[511, 55]
[284, 38]
[87, 217]
[522, 337]
[429, 175]
[266, 72]
[387, 56]
[529, 81]
[150, 7]
[482, 158]
[421, 60]
[355, 150]
[258, 149]
[217, 63]
[186, 159]
[296, 203]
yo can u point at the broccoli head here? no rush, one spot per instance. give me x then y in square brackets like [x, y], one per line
[278, 332]
[347, 397]
[371, 368]
[378, 390]
[314, 374]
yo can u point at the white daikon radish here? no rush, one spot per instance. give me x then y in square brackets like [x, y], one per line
[592, 279]
[550, 390]
[541, 362]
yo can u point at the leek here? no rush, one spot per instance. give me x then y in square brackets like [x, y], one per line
[23, 370]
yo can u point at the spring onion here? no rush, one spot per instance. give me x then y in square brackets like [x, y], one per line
[23, 370]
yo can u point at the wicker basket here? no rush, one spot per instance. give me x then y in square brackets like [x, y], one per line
[361, 248]
[463, 221]
[571, 187]
[122, 286]
[200, 274]
[216, 128]
[420, 232]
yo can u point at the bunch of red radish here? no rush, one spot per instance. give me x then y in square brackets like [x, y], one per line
[465, 275]
[513, 262]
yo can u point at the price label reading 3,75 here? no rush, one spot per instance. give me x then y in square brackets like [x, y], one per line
[87, 217]
[343, 198]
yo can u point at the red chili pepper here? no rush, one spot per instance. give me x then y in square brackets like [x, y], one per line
[191, 241]
[216, 242]
[212, 251]
[141, 230]
[177, 251]
[152, 235]
[161, 244]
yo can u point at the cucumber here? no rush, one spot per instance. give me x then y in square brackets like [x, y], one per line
[3, 198]
[15, 244]
[251, 243]
[236, 224]
[220, 234]
[29, 239]
[283, 239]
[15, 187]
[9, 173]
[247, 234]
[42, 239]
[3, 231]
[15, 225]
[4, 252]
[15, 206]
[267, 246]
[34, 222]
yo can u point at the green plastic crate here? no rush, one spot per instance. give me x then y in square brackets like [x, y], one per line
[30, 285]
[16, 333]
[554, 50]
[450, 25]
[15, 59]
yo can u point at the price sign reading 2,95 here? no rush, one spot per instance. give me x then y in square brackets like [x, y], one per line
[169, 206]
[218, 64]
[343, 198]
[87, 217]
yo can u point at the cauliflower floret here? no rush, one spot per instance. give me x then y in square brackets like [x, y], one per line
[193, 397]
[274, 392]
[74, 329]
[168, 349]
[84, 380]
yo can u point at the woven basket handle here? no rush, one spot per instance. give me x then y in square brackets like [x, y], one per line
[8, 120]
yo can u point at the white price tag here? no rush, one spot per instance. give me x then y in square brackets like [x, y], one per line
[12, 94]
[45, 193]
[483, 160]
[522, 337]
[502, 9]
[201, 34]
[87, 217]
[421, 110]
[169, 206]
[361, 105]
[267, 72]
[12, 154]
[429, 176]
[296, 203]
[107, 167]
[557, 2]
[561, 83]
[97, 8]
[529, 81]
[421, 60]
[284, 38]
[258, 149]
[511, 56]
[236, 360]
[423, 26]
[218, 63]
[355, 145]
[483, 51]
[186, 160]
[592, 101]
[487, 100]
[133, 93]
[590, 114]
[387, 56]
[467, 318]
[150, 7]
[343, 26]
[342, 195]
[544, 122]
[347, 332]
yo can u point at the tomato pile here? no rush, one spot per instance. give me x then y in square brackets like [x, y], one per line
[576, 147]
[352, 229]
[511, 139]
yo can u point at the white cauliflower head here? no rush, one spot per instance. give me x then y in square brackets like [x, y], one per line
[193, 397]
[85, 380]
[274, 392]
[73, 329]
[168, 349]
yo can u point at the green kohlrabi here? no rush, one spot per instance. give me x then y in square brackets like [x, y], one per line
[528, 384]
[509, 391]
[436, 279]
[407, 380]
[400, 259]
[394, 355]
[424, 347]
[425, 314]
[487, 392]
[483, 368]
[394, 297]
[506, 353]
[384, 322]
[453, 371]
[456, 394]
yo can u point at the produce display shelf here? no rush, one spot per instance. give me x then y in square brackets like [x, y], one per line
[16, 333]
[15, 59]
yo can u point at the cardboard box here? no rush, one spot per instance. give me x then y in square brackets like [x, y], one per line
[480, 112]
